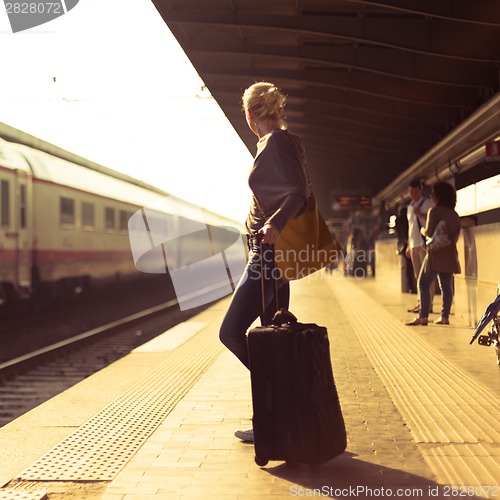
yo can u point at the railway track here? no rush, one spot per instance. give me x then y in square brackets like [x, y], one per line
[29, 330]
[31, 379]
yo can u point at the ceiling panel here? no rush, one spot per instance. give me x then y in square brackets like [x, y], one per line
[372, 85]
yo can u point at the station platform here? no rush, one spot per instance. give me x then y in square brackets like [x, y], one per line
[421, 408]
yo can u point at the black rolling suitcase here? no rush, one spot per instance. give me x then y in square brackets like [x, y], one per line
[296, 410]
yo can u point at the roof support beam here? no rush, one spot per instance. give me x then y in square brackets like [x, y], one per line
[382, 63]
[333, 102]
[459, 11]
[412, 35]
[331, 81]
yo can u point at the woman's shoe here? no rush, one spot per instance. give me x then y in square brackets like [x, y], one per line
[418, 322]
[442, 321]
[246, 436]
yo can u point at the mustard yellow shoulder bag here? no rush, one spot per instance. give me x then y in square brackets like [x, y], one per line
[305, 245]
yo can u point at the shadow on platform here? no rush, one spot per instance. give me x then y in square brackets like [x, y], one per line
[348, 477]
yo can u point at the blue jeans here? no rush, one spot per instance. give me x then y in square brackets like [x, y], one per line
[246, 304]
[425, 280]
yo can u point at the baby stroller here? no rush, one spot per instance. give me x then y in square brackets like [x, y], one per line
[490, 316]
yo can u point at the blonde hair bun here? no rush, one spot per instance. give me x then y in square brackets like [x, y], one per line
[265, 100]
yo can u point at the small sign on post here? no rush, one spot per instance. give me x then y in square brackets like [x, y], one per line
[492, 151]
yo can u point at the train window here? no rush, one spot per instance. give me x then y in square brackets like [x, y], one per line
[88, 215]
[22, 205]
[124, 217]
[67, 210]
[109, 218]
[5, 201]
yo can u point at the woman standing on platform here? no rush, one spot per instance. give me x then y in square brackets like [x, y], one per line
[279, 192]
[442, 263]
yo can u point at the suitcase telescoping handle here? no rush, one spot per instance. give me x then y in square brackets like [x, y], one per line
[280, 316]
[267, 254]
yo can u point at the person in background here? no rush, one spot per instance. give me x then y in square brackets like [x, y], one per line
[279, 190]
[442, 263]
[417, 215]
[401, 228]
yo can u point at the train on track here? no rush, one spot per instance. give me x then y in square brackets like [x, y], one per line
[64, 225]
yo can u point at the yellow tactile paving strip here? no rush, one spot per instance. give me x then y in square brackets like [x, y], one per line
[194, 451]
[454, 420]
[18, 494]
[100, 448]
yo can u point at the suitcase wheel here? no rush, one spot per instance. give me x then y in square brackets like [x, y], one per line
[261, 461]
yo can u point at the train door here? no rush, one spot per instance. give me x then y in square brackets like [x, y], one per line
[22, 228]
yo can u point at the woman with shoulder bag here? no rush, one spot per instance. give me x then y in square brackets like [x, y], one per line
[441, 260]
[279, 193]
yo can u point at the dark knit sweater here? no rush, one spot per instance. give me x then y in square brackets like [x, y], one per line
[277, 181]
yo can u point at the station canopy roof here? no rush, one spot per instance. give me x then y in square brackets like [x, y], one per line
[372, 85]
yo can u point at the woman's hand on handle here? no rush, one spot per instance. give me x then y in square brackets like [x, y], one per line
[271, 234]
